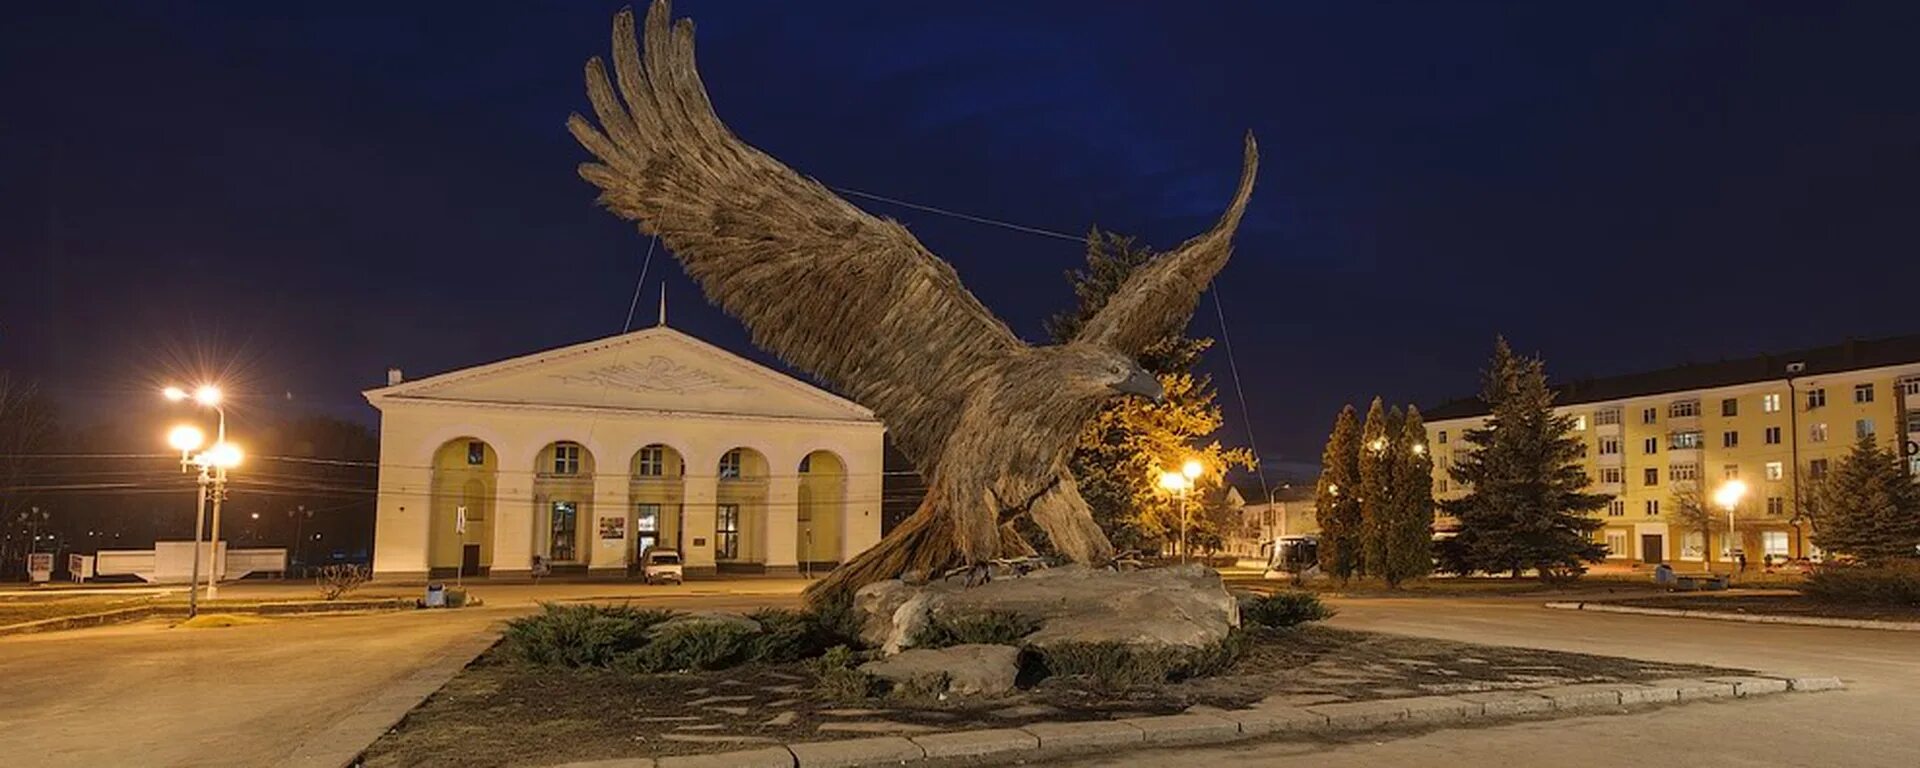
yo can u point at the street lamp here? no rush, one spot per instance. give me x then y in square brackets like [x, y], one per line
[221, 457]
[1728, 496]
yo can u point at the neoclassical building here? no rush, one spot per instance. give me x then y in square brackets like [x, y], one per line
[586, 456]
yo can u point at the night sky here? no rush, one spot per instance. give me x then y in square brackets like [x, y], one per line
[296, 196]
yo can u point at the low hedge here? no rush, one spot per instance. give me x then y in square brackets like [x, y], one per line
[1885, 583]
[1283, 609]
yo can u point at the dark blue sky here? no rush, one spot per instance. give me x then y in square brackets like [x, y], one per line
[304, 194]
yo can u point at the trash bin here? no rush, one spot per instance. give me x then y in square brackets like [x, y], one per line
[436, 596]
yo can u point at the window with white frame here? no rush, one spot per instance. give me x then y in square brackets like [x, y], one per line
[1580, 423]
[1911, 386]
[1775, 470]
[566, 458]
[726, 531]
[1817, 433]
[1776, 505]
[1683, 472]
[1609, 446]
[1613, 475]
[730, 465]
[1617, 508]
[1617, 544]
[1653, 507]
[1773, 543]
[1650, 446]
[1650, 416]
[1684, 441]
[1650, 476]
[1441, 485]
[1730, 439]
[1816, 398]
[652, 461]
[1693, 546]
[1770, 403]
[1681, 409]
[1773, 436]
[1606, 417]
[1729, 406]
[1863, 393]
[1862, 429]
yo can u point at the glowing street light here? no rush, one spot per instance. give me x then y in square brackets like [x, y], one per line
[1180, 484]
[221, 457]
[207, 395]
[174, 394]
[1193, 469]
[1728, 496]
[186, 438]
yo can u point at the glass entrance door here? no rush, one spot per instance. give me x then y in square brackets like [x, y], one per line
[646, 528]
[726, 545]
[563, 541]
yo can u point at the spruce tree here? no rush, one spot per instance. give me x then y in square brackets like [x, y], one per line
[1408, 534]
[1376, 487]
[1336, 498]
[1872, 507]
[1525, 507]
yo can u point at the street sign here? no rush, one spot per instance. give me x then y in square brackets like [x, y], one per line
[40, 567]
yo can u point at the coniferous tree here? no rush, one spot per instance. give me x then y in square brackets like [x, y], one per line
[1525, 507]
[1336, 498]
[1872, 507]
[1408, 533]
[1376, 487]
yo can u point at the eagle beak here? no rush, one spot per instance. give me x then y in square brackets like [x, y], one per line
[1143, 384]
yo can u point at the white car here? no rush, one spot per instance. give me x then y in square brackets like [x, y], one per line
[660, 565]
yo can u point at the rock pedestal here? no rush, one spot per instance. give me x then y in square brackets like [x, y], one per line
[972, 670]
[1182, 606]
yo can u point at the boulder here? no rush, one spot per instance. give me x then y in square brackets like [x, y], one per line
[969, 670]
[1181, 606]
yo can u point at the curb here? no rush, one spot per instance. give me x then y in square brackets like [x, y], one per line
[1748, 618]
[136, 613]
[1050, 739]
[341, 745]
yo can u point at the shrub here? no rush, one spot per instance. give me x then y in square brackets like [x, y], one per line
[337, 580]
[786, 636]
[1283, 609]
[985, 628]
[1114, 667]
[836, 678]
[836, 622]
[689, 647]
[1887, 583]
[580, 635]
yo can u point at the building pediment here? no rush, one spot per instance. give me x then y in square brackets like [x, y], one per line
[656, 369]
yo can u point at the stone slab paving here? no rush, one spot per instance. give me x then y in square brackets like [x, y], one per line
[1005, 745]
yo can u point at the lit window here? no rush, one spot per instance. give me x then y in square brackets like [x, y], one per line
[730, 465]
[1730, 439]
[726, 531]
[1730, 406]
[1684, 441]
[566, 458]
[1863, 393]
[1773, 436]
[1580, 423]
[1773, 543]
[1693, 546]
[1817, 433]
[1650, 476]
[652, 461]
[1770, 403]
[1816, 398]
[1683, 409]
[1862, 429]
[1775, 470]
[1617, 544]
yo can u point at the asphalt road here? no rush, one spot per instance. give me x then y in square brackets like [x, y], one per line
[1875, 722]
[149, 694]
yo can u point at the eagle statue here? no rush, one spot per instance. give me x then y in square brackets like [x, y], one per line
[989, 420]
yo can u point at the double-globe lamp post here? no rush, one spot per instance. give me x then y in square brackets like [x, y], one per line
[212, 465]
[1180, 484]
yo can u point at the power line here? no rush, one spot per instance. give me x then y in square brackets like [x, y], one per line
[965, 216]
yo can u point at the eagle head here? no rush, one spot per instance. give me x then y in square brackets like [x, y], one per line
[1101, 372]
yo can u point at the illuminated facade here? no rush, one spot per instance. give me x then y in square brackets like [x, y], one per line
[1672, 437]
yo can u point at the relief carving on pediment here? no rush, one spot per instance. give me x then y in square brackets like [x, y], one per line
[657, 374]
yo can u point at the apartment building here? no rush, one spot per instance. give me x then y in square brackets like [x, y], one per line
[1777, 423]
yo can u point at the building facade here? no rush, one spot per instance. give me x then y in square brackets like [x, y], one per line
[584, 457]
[1660, 440]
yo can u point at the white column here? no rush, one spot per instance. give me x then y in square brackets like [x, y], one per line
[609, 502]
[700, 491]
[782, 532]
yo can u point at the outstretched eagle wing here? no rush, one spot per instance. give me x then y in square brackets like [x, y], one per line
[851, 298]
[1158, 300]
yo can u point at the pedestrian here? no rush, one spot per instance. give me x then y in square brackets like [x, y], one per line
[1740, 556]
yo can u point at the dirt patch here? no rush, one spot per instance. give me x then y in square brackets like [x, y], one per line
[22, 609]
[1777, 604]
[499, 713]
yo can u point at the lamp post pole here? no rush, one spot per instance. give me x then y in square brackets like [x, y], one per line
[219, 493]
[1183, 525]
[199, 531]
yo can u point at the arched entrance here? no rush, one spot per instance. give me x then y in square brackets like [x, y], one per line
[460, 526]
[823, 504]
[563, 504]
[656, 496]
[740, 508]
